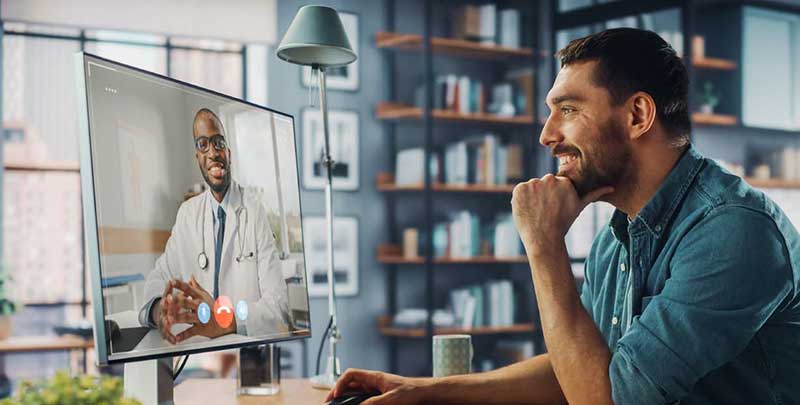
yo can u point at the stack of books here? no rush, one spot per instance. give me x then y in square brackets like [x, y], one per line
[463, 237]
[476, 160]
[465, 95]
[489, 304]
[482, 160]
[485, 25]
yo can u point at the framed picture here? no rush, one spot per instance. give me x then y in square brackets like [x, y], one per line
[344, 77]
[345, 255]
[343, 127]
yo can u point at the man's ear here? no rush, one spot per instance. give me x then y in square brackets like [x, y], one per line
[642, 114]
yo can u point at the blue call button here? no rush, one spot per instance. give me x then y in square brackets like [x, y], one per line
[203, 313]
[241, 310]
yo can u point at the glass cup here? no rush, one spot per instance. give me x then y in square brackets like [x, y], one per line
[260, 370]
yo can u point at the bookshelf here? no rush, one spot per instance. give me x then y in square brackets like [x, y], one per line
[714, 119]
[773, 183]
[409, 50]
[385, 184]
[449, 46]
[386, 329]
[392, 254]
[714, 64]
[396, 111]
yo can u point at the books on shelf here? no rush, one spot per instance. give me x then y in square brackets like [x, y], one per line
[582, 232]
[463, 237]
[490, 304]
[409, 170]
[484, 24]
[482, 160]
[475, 23]
[508, 32]
[465, 95]
[416, 318]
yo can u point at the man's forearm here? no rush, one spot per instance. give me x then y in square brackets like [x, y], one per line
[578, 353]
[528, 382]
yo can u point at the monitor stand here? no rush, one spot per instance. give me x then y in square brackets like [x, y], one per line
[149, 381]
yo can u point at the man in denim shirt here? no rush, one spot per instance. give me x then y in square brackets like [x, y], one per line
[692, 292]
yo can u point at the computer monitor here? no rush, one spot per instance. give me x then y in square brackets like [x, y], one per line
[192, 216]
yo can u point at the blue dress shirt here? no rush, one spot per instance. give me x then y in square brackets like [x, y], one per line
[711, 269]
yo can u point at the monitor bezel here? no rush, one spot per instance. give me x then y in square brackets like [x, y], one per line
[91, 237]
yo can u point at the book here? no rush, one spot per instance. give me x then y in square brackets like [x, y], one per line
[409, 169]
[410, 243]
[508, 32]
[487, 25]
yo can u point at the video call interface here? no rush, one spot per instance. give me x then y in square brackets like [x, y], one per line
[198, 216]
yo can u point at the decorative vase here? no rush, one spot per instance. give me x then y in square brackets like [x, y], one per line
[5, 326]
[706, 109]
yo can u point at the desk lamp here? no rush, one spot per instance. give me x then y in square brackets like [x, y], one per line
[316, 38]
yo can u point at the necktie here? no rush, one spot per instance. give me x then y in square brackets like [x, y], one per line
[218, 248]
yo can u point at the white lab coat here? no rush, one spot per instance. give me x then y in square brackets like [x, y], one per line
[257, 280]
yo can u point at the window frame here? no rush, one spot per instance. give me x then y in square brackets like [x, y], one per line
[83, 39]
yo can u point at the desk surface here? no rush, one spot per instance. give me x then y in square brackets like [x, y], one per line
[21, 344]
[222, 391]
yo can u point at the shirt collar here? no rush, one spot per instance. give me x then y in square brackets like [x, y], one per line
[229, 200]
[659, 210]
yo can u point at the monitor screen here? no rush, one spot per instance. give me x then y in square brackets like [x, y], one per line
[192, 216]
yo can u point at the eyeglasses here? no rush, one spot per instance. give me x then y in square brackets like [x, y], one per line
[203, 143]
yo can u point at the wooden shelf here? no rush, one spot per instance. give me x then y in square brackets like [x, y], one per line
[26, 344]
[714, 64]
[385, 327]
[396, 111]
[393, 254]
[773, 183]
[447, 188]
[449, 46]
[714, 119]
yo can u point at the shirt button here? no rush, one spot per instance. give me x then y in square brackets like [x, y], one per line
[658, 228]
[622, 267]
[614, 321]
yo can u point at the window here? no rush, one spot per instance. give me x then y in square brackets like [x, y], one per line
[42, 215]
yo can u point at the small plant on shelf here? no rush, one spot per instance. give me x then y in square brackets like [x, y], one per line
[708, 100]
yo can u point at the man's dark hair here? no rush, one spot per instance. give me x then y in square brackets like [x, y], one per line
[631, 60]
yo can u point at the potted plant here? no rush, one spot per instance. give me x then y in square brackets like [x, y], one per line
[708, 101]
[7, 306]
[64, 389]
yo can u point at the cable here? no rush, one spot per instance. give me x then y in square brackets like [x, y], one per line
[322, 342]
[175, 374]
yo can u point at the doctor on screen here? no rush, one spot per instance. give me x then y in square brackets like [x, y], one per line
[221, 246]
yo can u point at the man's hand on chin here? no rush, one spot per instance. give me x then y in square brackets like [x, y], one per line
[544, 209]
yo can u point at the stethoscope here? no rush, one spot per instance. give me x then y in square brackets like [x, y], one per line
[202, 258]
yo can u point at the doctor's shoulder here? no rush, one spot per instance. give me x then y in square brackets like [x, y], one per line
[189, 208]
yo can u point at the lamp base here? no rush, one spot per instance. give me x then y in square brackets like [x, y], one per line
[323, 381]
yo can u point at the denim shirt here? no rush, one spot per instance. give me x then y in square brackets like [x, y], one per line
[715, 276]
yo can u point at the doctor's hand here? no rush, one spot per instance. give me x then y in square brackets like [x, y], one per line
[188, 299]
[165, 310]
[544, 210]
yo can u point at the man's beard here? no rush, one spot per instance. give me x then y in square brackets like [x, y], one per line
[605, 164]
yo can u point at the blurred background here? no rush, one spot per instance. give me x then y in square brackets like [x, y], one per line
[445, 91]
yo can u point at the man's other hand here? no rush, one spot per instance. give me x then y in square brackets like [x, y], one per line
[394, 389]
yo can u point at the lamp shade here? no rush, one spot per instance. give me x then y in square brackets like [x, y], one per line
[316, 37]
